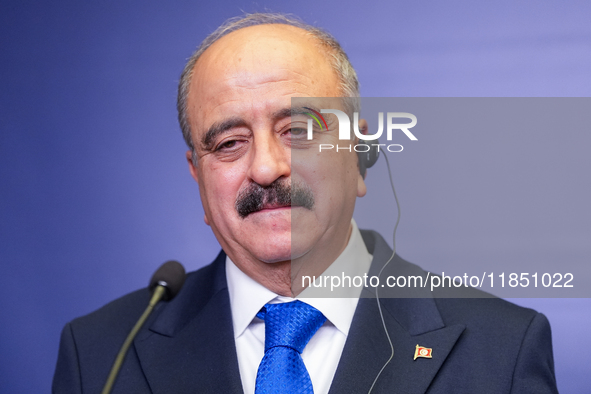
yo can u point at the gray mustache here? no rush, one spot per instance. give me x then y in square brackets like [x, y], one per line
[281, 192]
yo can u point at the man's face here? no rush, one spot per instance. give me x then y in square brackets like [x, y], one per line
[239, 107]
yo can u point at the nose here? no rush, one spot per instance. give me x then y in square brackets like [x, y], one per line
[270, 159]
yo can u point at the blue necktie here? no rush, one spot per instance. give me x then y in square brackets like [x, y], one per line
[288, 329]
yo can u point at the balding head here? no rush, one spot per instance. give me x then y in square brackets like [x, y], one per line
[327, 44]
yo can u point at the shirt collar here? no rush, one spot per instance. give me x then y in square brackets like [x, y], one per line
[247, 296]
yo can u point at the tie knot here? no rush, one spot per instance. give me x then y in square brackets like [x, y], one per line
[291, 324]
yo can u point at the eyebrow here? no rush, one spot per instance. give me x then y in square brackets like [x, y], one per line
[290, 111]
[303, 110]
[221, 127]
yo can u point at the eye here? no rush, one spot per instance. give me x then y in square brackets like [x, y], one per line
[298, 131]
[227, 144]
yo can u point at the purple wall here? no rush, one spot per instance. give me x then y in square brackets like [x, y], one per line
[95, 193]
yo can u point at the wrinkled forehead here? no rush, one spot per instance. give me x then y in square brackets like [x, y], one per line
[256, 65]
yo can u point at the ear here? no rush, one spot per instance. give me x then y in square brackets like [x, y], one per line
[192, 169]
[361, 188]
[363, 126]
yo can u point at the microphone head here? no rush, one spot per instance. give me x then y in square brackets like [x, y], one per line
[170, 275]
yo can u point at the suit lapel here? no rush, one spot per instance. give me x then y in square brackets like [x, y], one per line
[410, 322]
[367, 350]
[189, 346]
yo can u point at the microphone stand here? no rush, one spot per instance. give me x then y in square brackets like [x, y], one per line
[159, 292]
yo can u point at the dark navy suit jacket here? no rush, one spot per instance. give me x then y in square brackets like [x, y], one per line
[480, 345]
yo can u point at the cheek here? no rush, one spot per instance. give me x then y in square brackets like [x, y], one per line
[327, 167]
[334, 179]
[348, 178]
[219, 186]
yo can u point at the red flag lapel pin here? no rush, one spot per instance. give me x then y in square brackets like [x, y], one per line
[421, 351]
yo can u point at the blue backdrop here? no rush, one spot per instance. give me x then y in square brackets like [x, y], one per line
[95, 192]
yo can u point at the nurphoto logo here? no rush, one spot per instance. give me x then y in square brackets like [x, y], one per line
[393, 119]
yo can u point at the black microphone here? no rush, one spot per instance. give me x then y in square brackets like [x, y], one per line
[164, 285]
[171, 275]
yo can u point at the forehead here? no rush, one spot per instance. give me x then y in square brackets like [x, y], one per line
[257, 70]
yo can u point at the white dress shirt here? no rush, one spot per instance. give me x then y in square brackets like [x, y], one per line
[322, 354]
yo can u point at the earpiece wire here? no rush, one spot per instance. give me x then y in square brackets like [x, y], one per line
[380, 274]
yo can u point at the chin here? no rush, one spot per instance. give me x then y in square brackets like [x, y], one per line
[275, 252]
[274, 245]
[278, 235]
